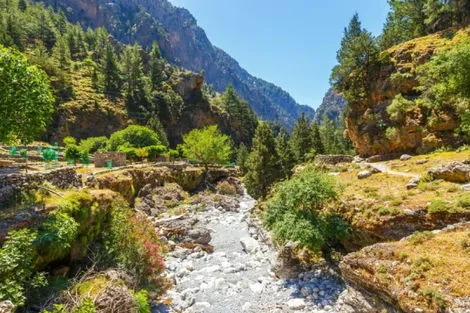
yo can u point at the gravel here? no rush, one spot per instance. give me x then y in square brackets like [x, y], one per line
[237, 276]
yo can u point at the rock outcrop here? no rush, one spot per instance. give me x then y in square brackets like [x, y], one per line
[457, 172]
[426, 272]
[370, 126]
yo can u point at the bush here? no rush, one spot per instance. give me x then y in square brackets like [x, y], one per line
[441, 206]
[72, 152]
[93, 144]
[464, 201]
[295, 210]
[421, 237]
[133, 244]
[69, 140]
[397, 109]
[154, 151]
[134, 136]
[142, 301]
[17, 275]
[226, 188]
[173, 154]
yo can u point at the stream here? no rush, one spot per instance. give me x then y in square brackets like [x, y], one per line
[237, 276]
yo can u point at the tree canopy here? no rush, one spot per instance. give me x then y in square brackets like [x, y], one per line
[207, 146]
[26, 100]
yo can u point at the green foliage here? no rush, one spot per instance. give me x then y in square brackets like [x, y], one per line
[434, 297]
[17, 274]
[49, 155]
[207, 146]
[419, 237]
[262, 163]
[56, 235]
[72, 152]
[142, 301]
[154, 151]
[242, 158]
[301, 140]
[93, 144]
[87, 306]
[132, 243]
[134, 136]
[295, 210]
[285, 153]
[69, 140]
[242, 119]
[26, 101]
[409, 19]
[398, 108]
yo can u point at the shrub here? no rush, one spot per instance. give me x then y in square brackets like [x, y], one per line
[132, 243]
[173, 154]
[154, 151]
[56, 235]
[397, 109]
[69, 140]
[464, 201]
[421, 237]
[134, 136]
[295, 210]
[142, 301]
[226, 188]
[433, 297]
[441, 206]
[93, 144]
[17, 275]
[72, 152]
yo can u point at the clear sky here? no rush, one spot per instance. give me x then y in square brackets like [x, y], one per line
[289, 43]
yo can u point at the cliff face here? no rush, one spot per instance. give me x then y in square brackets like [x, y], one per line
[332, 106]
[183, 43]
[369, 125]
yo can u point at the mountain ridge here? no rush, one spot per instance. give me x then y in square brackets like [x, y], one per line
[184, 43]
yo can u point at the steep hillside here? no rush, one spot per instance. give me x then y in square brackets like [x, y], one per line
[415, 100]
[184, 44]
[332, 106]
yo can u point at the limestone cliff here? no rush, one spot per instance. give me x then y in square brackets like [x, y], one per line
[369, 125]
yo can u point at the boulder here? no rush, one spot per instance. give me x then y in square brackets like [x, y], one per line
[7, 307]
[405, 157]
[456, 172]
[364, 174]
[413, 183]
[249, 245]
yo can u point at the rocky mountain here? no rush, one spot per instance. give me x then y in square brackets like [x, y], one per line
[183, 43]
[332, 106]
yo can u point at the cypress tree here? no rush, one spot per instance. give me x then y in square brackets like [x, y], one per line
[262, 164]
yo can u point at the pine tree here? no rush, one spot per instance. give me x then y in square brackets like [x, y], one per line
[242, 157]
[351, 32]
[157, 66]
[262, 164]
[286, 156]
[61, 53]
[133, 78]
[110, 71]
[301, 139]
[358, 61]
[317, 142]
[242, 119]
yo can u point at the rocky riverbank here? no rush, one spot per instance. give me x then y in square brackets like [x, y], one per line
[238, 275]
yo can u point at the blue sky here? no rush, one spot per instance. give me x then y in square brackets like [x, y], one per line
[290, 43]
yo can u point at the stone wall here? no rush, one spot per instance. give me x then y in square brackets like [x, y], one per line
[117, 159]
[62, 178]
[334, 159]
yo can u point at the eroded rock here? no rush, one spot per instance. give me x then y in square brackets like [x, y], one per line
[457, 172]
